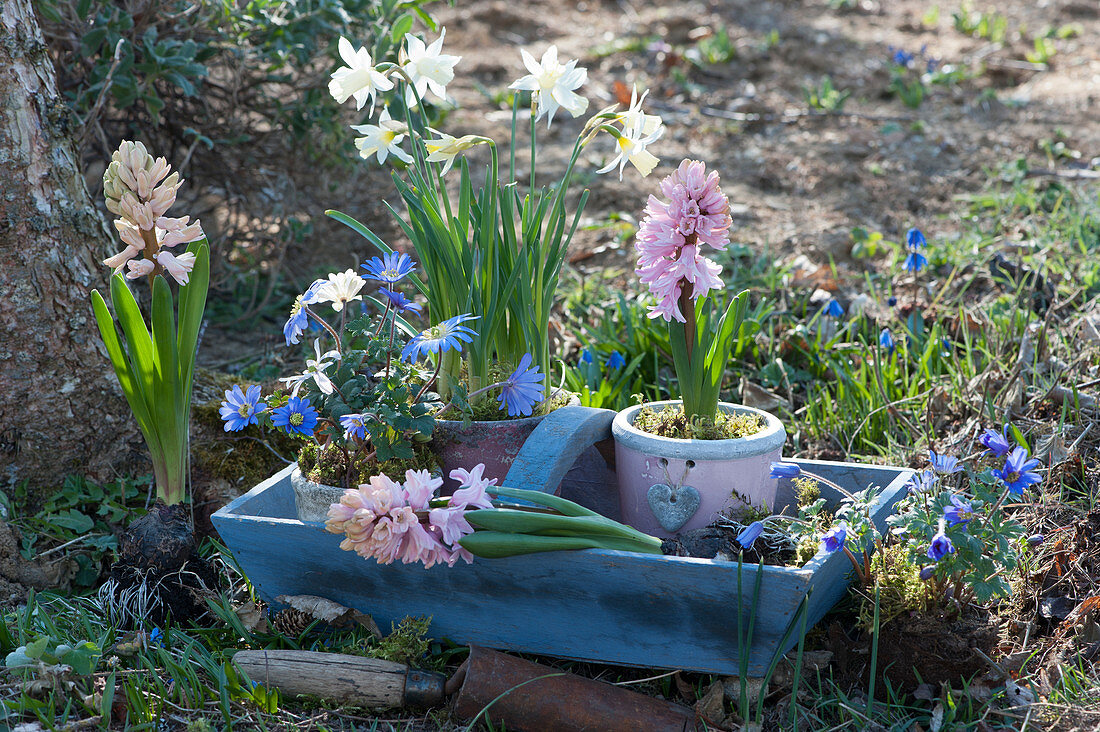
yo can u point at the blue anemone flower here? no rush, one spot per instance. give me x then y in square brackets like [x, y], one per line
[834, 309]
[615, 361]
[439, 338]
[750, 534]
[923, 481]
[834, 539]
[354, 426]
[522, 390]
[399, 302]
[940, 547]
[959, 512]
[785, 470]
[915, 262]
[886, 340]
[915, 240]
[391, 268]
[1017, 474]
[299, 318]
[944, 464]
[296, 416]
[996, 443]
[240, 408]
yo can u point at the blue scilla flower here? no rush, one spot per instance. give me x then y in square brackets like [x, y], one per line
[615, 361]
[944, 464]
[996, 443]
[241, 407]
[915, 240]
[959, 512]
[750, 534]
[940, 547]
[440, 338]
[296, 416]
[833, 540]
[784, 470]
[886, 340]
[391, 268]
[299, 318]
[833, 309]
[399, 302]
[1017, 473]
[354, 426]
[900, 56]
[915, 262]
[586, 356]
[522, 390]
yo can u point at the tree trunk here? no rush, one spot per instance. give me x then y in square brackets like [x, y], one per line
[61, 409]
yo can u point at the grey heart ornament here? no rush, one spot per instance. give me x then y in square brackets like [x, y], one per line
[672, 507]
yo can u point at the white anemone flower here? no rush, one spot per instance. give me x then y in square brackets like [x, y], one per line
[428, 67]
[632, 149]
[359, 79]
[315, 369]
[340, 289]
[383, 139]
[448, 147]
[553, 84]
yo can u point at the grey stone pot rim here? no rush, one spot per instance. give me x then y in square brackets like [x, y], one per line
[626, 434]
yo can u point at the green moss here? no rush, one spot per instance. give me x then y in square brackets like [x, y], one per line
[671, 421]
[407, 643]
[807, 489]
[487, 407]
[901, 589]
[328, 465]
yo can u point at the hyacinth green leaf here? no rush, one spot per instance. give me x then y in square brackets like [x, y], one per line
[138, 339]
[117, 354]
[497, 544]
[192, 305]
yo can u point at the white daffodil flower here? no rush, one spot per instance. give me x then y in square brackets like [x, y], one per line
[447, 148]
[359, 79]
[340, 289]
[634, 117]
[383, 139]
[553, 84]
[632, 148]
[428, 67]
[315, 369]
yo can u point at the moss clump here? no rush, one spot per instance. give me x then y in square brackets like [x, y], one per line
[671, 421]
[487, 407]
[901, 589]
[807, 490]
[327, 465]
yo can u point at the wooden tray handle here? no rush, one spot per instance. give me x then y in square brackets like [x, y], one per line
[554, 446]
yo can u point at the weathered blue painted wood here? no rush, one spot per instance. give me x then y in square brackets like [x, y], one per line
[598, 605]
[556, 444]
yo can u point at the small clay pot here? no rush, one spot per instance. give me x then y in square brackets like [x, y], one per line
[313, 499]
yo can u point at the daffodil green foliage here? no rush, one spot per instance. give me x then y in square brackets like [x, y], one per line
[559, 524]
[701, 348]
[155, 363]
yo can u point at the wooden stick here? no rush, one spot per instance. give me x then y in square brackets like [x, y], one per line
[356, 680]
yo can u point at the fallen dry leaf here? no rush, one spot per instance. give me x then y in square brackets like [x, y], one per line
[252, 617]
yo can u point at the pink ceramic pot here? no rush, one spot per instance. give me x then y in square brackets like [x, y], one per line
[496, 444]
[669, 486]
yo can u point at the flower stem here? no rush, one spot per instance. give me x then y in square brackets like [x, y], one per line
[325, 325]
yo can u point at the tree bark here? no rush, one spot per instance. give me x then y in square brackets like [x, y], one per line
[61, 408]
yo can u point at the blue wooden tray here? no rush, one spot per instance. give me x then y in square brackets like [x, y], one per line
[595, 605]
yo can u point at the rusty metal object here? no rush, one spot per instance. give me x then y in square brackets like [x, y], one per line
[525, 696]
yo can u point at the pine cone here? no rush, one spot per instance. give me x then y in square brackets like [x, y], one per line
[291, 622]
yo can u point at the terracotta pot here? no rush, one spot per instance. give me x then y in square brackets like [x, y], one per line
[494, 443]
[668, 486]
[313, 499]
